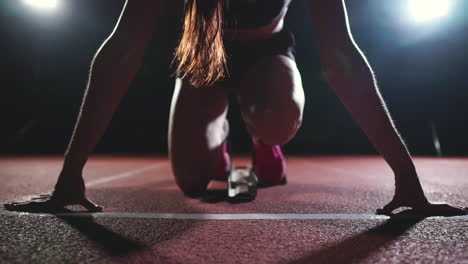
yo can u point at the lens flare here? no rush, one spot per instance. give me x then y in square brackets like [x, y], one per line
[425, 10]
[43, 4]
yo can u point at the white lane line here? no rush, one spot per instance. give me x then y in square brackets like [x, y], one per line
[121, 215]
[122, 175]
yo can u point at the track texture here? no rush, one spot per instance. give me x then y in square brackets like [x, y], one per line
[316, 185]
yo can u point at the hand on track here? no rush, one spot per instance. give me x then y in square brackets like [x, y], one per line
[69, 190]
[422, 206]
[50, 203]
[409, 193]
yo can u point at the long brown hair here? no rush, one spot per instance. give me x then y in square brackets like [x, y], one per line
[201, 56]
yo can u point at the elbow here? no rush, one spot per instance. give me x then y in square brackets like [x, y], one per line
[117, 59]
[342, 58]
[338, 69]
[347, 71]
[340, 53]
[346, 60]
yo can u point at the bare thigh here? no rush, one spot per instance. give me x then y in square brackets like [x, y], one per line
[271, 98]
[196, 132]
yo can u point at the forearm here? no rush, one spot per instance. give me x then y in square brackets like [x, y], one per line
[112, 71]
[352, 80]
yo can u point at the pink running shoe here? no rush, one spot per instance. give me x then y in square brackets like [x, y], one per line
[225, 164]
[269, 164]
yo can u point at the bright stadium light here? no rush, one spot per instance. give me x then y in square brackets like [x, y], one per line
[42, 4]
[425, 10]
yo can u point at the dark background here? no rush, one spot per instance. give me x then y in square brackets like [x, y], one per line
[45, 57]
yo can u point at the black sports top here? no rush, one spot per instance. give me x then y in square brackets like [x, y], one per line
[244, 14]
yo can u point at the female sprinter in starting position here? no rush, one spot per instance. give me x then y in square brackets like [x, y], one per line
[237, 46]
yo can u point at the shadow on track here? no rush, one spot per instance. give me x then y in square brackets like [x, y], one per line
[111, 242]
[117, 238]
[360, 246]
[214, 196]
[218, 196]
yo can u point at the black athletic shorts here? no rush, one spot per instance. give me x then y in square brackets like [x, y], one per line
[242, 55]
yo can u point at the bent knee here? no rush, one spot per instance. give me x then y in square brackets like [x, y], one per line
[275, 126]
[191, 186]
[190, 178]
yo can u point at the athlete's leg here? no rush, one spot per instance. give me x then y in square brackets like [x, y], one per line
[272, 101]
[271, 98]
[197, 129]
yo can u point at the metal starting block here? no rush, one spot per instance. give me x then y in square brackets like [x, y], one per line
[242, 184]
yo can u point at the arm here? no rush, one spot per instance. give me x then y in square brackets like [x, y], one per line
[351, 77]
[113, 68]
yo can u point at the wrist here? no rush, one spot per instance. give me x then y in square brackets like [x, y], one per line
[407, 182]
[73, 165]
[403, 166]
[408, 170]
[71, 174]
[69, 182]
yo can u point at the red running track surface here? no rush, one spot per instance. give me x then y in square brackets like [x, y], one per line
[340, 194]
